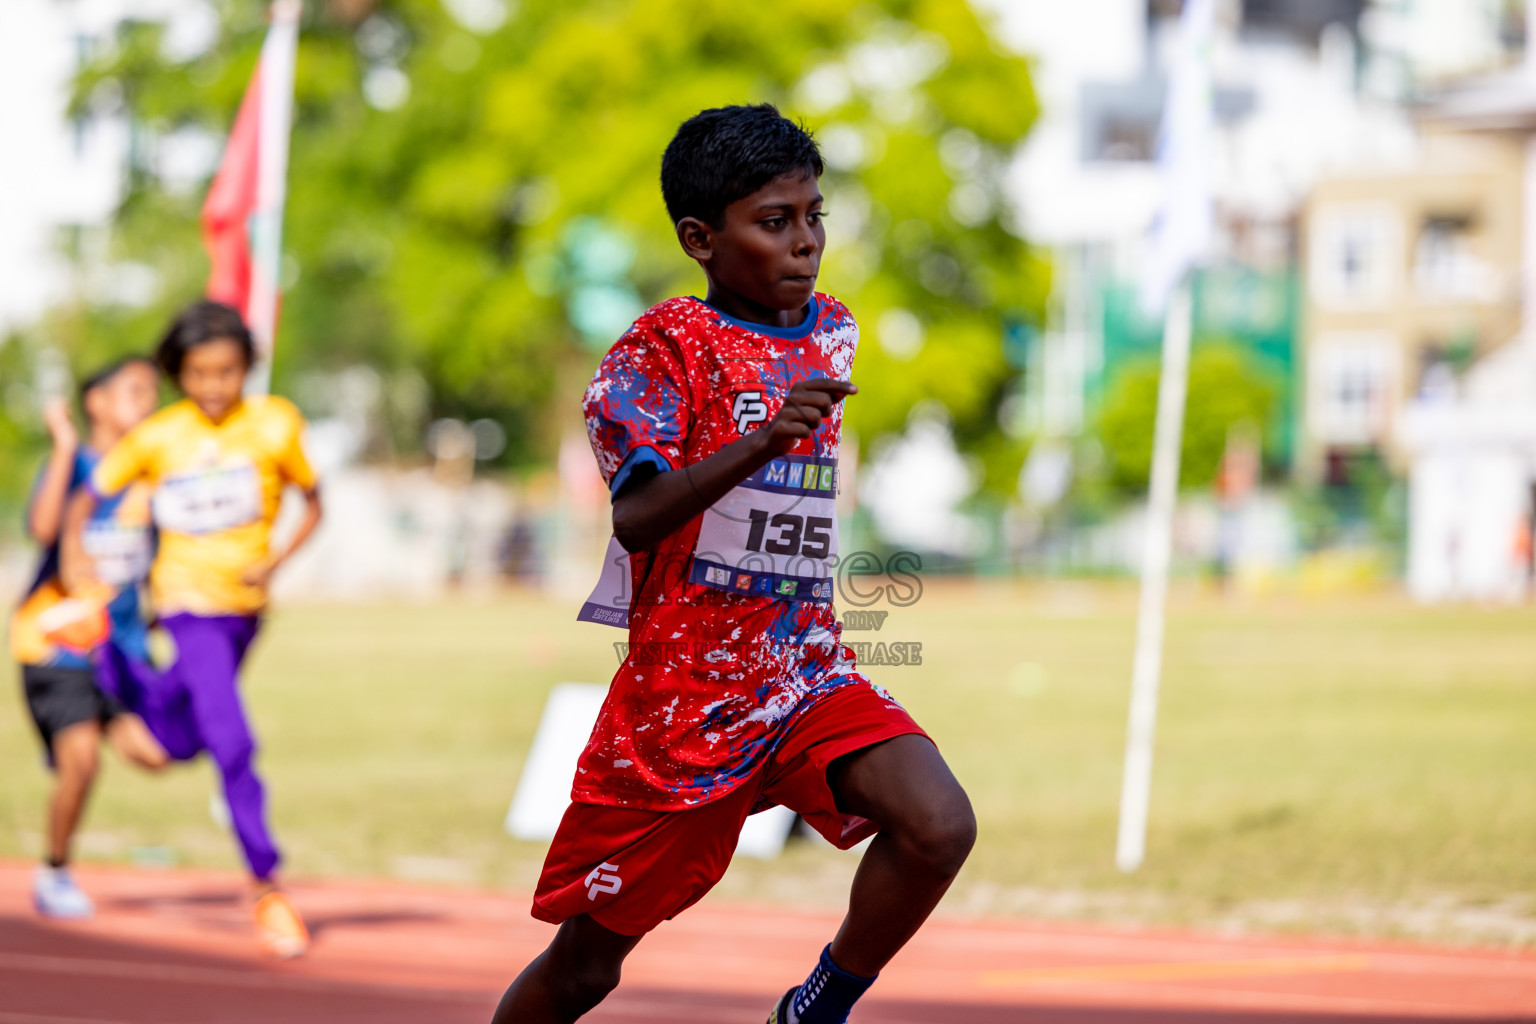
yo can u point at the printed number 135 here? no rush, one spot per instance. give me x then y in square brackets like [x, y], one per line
[810, 536]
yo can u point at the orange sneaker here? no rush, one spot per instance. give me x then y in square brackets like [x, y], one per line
[280, 930]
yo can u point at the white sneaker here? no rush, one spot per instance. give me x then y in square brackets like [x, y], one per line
[55, 894]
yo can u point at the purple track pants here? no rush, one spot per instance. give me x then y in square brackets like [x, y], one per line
[195, 706]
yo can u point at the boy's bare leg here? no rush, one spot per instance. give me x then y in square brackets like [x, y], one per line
[580, 967]
[131, 738]
[927, 829]
[74, 762]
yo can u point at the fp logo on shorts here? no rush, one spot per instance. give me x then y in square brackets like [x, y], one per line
[749, 408]
[604, 879]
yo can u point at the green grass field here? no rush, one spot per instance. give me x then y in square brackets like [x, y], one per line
[1345, 764]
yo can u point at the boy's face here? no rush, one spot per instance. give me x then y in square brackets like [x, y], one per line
[212, 376]
[125, 400]
[767, 248]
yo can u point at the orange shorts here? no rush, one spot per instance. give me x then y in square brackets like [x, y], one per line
[632, 869]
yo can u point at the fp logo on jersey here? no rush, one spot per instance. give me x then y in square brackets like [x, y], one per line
[603, 879]
[749, 408]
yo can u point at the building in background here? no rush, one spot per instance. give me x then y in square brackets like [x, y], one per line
[1324, 165]
[1471, 437]
[1288, 104]
[1307, 91]
[1412, 273]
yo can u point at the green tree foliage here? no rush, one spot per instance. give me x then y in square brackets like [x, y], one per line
[20, 448]
[1224, 392]
[476, 199]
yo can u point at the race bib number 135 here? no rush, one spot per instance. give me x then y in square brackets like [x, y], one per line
[774, 534]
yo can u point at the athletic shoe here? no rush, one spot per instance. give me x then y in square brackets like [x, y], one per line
[55, 894]
[780, 1014]
[279, 929]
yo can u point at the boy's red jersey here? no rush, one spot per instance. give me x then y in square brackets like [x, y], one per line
[732, 630]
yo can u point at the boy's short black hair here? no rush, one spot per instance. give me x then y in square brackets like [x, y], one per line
[726, 153]
[198, 324]
[103, 376]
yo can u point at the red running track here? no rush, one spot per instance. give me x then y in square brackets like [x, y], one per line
[176, 948]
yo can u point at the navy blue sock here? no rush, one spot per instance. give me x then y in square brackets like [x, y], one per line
[828, 994]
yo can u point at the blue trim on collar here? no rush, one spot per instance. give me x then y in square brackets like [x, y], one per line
[795, 333]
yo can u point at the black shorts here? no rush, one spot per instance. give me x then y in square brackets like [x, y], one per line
[61, 697]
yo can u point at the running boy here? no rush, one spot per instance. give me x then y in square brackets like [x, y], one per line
[716, 423]
[218, 463]
[56, 638]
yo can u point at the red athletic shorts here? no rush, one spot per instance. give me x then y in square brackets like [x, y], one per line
[633, 869]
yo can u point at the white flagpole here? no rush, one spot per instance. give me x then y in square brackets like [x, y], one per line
[1179, 243]
[278, 55]
[1136, 788]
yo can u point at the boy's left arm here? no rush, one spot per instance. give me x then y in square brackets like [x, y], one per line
[648, 511]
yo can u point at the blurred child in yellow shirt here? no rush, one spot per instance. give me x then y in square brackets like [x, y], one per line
[218, 462]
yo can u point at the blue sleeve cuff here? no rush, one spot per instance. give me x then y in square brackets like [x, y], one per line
[645, 456]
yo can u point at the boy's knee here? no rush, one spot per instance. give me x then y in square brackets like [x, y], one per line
[582, 985]
[942, 837]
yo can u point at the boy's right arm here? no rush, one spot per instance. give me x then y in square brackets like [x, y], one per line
[649, 510]
[45, 513]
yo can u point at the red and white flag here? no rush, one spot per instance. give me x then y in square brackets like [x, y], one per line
[243, 214]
